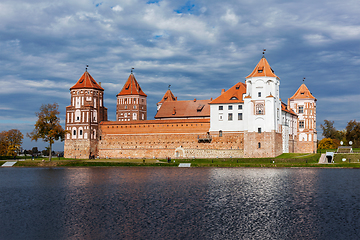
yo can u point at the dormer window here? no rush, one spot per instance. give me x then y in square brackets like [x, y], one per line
[238, 86]
[260, 69]
[234, 98]
[302, 93]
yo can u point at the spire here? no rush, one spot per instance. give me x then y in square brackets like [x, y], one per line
[262, 69]
[168, 96]
[303, 93]
[131, 87]
[86, 81]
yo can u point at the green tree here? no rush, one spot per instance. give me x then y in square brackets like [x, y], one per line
[48, 127]
[353, 133]
[329, 131]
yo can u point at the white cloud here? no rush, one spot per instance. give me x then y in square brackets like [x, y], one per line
[117, 8]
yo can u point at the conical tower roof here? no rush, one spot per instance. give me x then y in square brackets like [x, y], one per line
[303, 93]
[168, 96]
[262, 69]
[131, 87]
[86, 81]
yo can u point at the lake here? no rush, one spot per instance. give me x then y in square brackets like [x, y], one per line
[179, 203]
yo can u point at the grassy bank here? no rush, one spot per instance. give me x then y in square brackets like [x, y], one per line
[284, 160]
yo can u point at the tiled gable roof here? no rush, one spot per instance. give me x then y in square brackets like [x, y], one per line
[233, 95]
[168, 96]
[285, 109]
[87, 81]
[184, 109]
[262, 69]
[303, 93]
[131, 87]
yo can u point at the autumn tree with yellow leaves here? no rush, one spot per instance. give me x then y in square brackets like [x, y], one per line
[48, 127]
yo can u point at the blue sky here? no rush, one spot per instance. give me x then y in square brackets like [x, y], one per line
[198, 47]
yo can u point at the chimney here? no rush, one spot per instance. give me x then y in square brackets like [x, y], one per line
[194, 99]
[100, 84]
[222, 91]
[176, 98]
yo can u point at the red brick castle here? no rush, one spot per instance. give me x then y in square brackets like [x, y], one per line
[247, 120]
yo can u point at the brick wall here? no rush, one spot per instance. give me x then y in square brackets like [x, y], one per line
[270, 144]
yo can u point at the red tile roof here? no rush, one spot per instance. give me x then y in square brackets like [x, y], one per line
[303, 93]
[184, 109]
[284, 108]
[87, 81]
[169, 96]
[132, 87]
[262, 69]
[233, 95]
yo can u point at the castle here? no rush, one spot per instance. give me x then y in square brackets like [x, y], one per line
[247, 120]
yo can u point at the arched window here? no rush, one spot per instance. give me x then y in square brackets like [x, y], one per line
[259, 145]
[220, 133]
[259, 109]
[81, 132]
[74, 132]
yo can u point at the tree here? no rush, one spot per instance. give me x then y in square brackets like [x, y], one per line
[14, 138]
[48, 127]
[10, 142]
[329, 131]
[328, 143]
[353, 133]
[3, 143]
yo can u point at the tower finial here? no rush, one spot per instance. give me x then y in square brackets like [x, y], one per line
[169, 87]
[264, 50]
[303, 79]
[86, 68]
[132, 70]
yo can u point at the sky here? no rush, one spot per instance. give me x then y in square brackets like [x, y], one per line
[198, 47]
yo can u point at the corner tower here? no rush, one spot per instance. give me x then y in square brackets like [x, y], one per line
[262, 112]
[304, 104]
[83, 116]
[131, 102]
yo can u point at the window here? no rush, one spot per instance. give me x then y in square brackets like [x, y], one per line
[239, 116]
[301, 109]
[260, 69]
[220, 117]
[220, 133]
[259, 109]
[301, 124]
[259, 94]
[80, 132]
[259, 145]
[230, 107]
[230, 117]
[134, 107]
[74, 133]
[125, 107]
[259, 130]
[221, 107]
[240, 107]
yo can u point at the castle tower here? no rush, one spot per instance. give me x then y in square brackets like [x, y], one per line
[168, 96]
[304, 104]
[83, 117]
[131, 102]
[262, 112]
